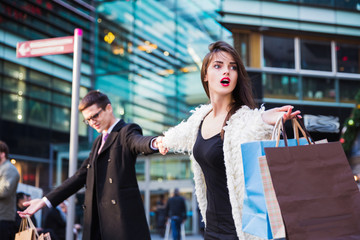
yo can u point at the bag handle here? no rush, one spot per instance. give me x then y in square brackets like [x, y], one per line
[29, 224]
[297, 125]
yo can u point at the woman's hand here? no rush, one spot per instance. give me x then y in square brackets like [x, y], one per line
[159, 143]
[272, 115]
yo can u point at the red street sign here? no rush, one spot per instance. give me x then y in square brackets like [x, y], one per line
[42, 47]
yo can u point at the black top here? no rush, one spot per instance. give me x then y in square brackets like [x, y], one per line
[210, 156]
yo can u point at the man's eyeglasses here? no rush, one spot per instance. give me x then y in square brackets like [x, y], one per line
[93, 117]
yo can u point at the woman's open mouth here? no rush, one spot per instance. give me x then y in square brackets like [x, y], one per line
[225, 82]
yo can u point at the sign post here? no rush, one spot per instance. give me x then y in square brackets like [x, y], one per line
[53, 46]
[74, 128]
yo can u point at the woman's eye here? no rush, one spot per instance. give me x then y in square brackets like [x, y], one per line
[216, 66]
[233, 68]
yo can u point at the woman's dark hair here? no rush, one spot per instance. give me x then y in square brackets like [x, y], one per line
[94, 97]
[242, 93]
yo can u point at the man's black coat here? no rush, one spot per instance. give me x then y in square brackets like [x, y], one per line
[120, 207]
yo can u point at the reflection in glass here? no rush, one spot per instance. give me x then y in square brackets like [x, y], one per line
[39, 93]
[40, 78]
[319, 89]
[241, 44]
[14, 70]
[61, 85]
[61, 119]
[348, 58]
[13, 107]
[39, 113]
[170, 169]
[348, 90]
[279, 52]
[140, 170]
[280, 86]
[315, 55]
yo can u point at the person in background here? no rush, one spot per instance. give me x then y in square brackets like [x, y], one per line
[176, 211]
[22, 197]
[9, 179]
[113, 208]
[160, 215]
[55, 220]
[213, 135]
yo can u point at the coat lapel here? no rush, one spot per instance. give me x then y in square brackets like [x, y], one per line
[112, 136]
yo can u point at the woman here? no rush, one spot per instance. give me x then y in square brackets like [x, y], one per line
[213, 134]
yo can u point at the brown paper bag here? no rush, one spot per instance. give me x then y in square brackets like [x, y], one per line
[316, 191]
[25, 231]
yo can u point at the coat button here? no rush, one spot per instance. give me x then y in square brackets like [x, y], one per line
[84, 207]
[109, 160]
[88, 166]
[110, 180]
[113, 202]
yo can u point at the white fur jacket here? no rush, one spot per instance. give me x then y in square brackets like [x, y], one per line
[244, 126]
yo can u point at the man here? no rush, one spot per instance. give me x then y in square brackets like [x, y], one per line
[113, 207]
[176, 210]
[9, 179]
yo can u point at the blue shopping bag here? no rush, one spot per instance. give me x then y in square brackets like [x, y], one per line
[255, 215]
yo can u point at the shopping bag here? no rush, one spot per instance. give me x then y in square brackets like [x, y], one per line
[261, 214]
[275, 219]
[44, 236]
[316, 191]
[26, 231]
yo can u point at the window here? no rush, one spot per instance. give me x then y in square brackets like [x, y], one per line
[348, 58]
[315, 55]
[241, 44]
[38, 114]
[280, 86]
[319, 89]
[61, 119]
[279, 52]
[14, 107]
[40, 78]
[348, 90]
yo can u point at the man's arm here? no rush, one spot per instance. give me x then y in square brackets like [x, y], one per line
[66, 189]
[138, 143]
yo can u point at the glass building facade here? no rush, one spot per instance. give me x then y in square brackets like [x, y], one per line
[145, 55]
[304, 53]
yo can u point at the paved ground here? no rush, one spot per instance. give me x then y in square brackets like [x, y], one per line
[188, 237]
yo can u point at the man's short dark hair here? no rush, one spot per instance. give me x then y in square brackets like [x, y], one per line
[94, 97]
[4, 149]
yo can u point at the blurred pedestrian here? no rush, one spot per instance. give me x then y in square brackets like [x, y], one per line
[113, 207]
[9, 179]
[176, 211]
[55, 220]
[22, 197]
[160, 215]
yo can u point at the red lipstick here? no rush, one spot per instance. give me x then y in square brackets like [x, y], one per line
[225, 81]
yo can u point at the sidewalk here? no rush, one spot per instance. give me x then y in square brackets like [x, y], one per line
[188, 237]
